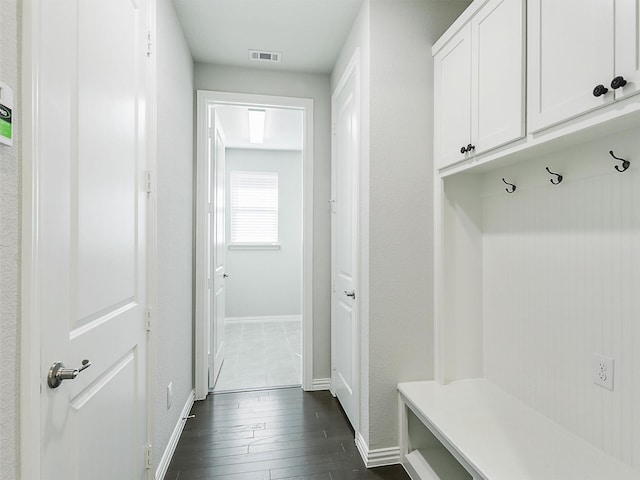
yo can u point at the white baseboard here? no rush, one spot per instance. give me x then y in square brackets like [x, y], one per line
[266, 318]
[320, 384]
[175, 436]
[378, 457]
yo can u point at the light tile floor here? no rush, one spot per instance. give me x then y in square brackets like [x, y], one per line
[261, 354]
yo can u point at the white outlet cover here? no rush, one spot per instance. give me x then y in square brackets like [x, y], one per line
[602, 371]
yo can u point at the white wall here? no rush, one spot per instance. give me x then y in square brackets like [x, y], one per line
[10, 225]
[561, 276]
[174, 319]
[316, 87]
[267, 282]
[397, 236]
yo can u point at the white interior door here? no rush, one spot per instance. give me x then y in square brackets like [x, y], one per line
[89, 257]
[216, 248]
[344, 242]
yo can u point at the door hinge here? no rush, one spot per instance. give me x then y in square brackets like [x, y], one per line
[210, 132]
[149, 44]
[147, 455]
[332, 206]
[147, 182]
[148, 319]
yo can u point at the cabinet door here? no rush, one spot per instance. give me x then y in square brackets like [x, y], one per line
[570, 52]
[627, 64]
[498, 74]
[452, 99]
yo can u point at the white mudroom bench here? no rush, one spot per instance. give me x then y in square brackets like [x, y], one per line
[471, 429]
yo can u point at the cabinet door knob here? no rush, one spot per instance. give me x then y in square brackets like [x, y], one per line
[618, 82]
[463, 150]
[470, 147]
[600, 90]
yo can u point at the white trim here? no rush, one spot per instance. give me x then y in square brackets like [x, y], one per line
[378, 457]
[266, 318]
[161, 471]
[353, 68]
[204, 99]
[152, 228]
[30, 382]
[200, 286]
[321, 384]
[253, 246]
[438, 278]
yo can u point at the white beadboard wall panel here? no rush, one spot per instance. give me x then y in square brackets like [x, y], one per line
[561, 276]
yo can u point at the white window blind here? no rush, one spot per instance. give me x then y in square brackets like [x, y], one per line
[254, 207]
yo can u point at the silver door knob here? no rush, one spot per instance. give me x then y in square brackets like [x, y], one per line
[57, 373]
[351, 294]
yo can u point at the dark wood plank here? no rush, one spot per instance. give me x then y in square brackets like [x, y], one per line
[271, 434]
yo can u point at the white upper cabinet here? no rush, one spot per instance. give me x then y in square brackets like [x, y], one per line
[627, 60]
[453, 99]
[480, 82]
[580, 54]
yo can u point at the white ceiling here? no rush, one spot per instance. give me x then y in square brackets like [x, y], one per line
[283, 128]
[309, 33]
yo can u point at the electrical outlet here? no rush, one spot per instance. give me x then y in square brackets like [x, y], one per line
[603, 371]
[169, 395]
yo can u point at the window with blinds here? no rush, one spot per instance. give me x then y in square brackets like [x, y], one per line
[254, 208]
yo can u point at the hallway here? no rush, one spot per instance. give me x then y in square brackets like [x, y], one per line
[271, 434]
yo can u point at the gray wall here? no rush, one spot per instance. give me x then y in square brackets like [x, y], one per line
[174, 319]
[397, 238]
[316, 87]
[268, 282]
[10, 225]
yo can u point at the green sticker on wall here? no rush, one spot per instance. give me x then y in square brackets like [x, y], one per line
[6, 129]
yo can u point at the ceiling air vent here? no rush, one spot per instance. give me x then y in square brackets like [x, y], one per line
[262, 56]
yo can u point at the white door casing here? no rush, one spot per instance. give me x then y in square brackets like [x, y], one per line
[344, 241]
[205, 101]
[85, 265]
[216, 247]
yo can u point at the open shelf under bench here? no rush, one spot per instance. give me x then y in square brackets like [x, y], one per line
[476, 430]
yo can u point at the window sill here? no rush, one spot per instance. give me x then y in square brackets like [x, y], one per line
[253, 246]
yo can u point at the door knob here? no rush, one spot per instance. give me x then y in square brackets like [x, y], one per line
[57, 373]
[470, 147]
[618, 82]
[463, 150]
[600, 90]
[351, 294]
[225, 275]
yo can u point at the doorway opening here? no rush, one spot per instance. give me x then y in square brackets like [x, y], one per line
[253, 250]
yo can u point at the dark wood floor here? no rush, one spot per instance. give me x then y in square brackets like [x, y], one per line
[271, 434]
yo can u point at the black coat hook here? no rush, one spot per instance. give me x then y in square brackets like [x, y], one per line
[558, 178]
[513, 187]
[625, 163]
